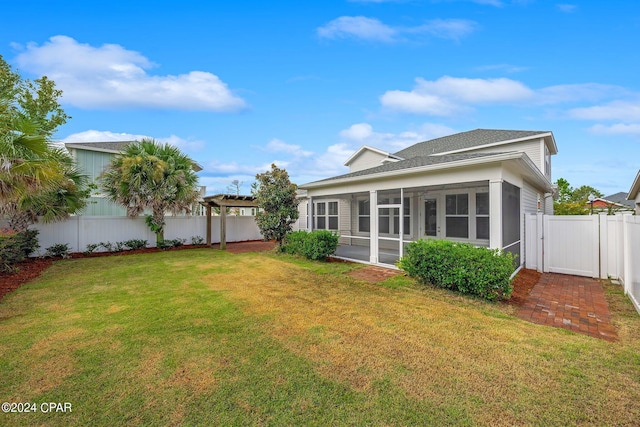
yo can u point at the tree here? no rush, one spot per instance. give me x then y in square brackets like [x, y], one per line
[151, 176]
[573, 201]
[36, 177]
[235, 186]
[276, 196]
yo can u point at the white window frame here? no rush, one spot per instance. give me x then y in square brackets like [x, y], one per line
[390, 217]
[326, 216]
[472, 233]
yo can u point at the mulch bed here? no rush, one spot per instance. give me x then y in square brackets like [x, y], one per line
[524, 281]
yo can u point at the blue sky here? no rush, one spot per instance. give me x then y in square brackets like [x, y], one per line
[239, 85]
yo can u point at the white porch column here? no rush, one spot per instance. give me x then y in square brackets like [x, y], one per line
[495, 214]
[373, 227]
[310, 214]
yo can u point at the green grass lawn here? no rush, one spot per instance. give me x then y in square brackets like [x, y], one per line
[203, 337]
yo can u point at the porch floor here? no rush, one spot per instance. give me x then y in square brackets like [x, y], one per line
[361, 253]
[569, 302]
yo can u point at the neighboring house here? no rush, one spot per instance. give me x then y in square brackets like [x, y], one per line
[614, 203]
[470, 187]
[634, 193]
[92, 158]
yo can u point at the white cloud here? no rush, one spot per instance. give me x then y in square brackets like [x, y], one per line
[363, 134]
[108, 136]
[359, 27]
[567, 8]
[502, 67]
[278, 146]
[453, 29]
[577, 92]
[448, 95]
[615, 110]
[371, 29]
[111, 76]
[616, 129]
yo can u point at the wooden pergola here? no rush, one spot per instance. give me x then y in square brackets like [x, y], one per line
[224, 201]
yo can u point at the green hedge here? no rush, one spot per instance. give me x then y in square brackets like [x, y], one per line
[460, 267]
[315, 245]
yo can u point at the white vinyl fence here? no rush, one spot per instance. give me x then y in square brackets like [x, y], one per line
[80, 231]
[601, 246]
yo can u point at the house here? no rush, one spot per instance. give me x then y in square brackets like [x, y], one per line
[471, 187]
[614, 203]
[92, 158]
[634, 193]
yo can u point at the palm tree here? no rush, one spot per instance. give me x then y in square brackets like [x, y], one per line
[66, 197]
[152, 176]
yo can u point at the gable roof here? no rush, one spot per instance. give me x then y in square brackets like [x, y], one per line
[372, 149]
[474, 139]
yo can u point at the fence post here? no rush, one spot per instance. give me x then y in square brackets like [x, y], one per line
[626, 253]
[540, 242]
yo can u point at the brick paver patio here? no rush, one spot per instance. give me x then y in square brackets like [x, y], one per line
[569, 302]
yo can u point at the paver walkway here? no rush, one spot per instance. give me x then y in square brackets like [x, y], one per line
[570, 302]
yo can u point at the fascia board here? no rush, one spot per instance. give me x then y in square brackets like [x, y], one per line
[429, 168]
[635, 187]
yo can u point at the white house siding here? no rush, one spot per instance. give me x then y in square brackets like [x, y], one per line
[534, 149]
[529, 198]
[367, 159]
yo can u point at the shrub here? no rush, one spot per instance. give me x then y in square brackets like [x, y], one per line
[28, 241]
[15, 247]
[293, 242]
[134, 244]
[197, 240]
[171, 243]
[320, 244]
[316, 245]
[91, 248]
[108, 246]
[460, 267]
[58, 250]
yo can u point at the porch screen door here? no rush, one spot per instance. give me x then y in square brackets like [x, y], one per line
[431, 217]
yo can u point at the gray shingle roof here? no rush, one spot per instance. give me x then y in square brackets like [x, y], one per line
[464, 140]
[111, 145]
[621, 198]
[413, 162]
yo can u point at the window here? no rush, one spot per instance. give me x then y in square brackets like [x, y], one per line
[547, 161]
[389, 218]
[482, 216]
[457, 215]
[326, 215]
[364, 214]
